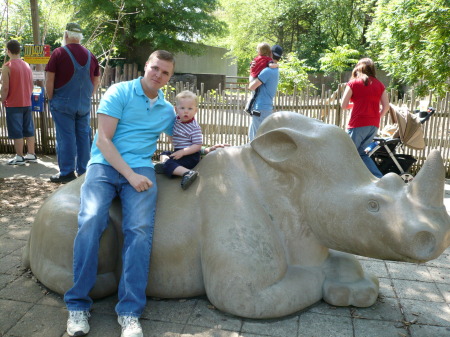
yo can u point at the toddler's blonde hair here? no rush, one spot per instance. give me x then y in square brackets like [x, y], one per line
[264, 49]
[186, 94]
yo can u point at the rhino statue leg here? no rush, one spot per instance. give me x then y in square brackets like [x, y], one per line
[246, 271]
[49, 250]
[346, 282]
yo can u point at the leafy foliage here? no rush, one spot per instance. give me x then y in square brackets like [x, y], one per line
[411, 39]
[338, 59]
[307, 27]
[248, 23]
[137, 25]
[17, 24]
[294, 74]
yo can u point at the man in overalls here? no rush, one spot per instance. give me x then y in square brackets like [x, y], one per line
[72, 76]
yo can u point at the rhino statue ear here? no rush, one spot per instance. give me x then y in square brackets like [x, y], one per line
[276, 146]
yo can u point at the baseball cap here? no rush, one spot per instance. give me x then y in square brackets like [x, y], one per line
[73, 27]
[277, 51]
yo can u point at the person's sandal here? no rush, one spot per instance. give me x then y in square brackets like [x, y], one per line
[188, 178]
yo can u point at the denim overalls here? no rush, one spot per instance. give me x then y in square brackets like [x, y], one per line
[70, 108]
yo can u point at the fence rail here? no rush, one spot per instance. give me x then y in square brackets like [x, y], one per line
[223, 120]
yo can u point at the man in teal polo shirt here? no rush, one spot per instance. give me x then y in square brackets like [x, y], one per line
[131, 117]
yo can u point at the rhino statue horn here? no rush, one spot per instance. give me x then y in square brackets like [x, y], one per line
[428, 186]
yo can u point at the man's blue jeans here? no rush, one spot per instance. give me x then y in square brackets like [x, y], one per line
[362, 137]
[73, 140]
[103, 183]
[256, 123]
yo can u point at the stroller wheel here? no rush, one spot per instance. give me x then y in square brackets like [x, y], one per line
[406, 177]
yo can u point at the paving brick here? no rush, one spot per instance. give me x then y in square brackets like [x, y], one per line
[40, 321]
[22, 289]
[11, 313]
[312, 324]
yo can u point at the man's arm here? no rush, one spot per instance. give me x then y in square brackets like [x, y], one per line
[5, 83]
[254, 84]
[107, 126]
[49, 83]
[96, 83]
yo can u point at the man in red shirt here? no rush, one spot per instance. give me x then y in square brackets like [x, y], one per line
[17, 85]
[72, 76]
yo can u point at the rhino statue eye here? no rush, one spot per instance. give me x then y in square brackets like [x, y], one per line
[373, 206]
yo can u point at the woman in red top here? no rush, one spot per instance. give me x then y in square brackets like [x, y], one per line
[367, 94]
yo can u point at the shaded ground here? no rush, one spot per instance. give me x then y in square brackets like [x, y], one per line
[21, 199]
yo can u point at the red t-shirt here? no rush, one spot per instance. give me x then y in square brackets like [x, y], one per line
[260, 62]
[366, 103]
[20, 84]
[61, 64]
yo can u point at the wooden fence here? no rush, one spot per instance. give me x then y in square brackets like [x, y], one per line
[223, 120]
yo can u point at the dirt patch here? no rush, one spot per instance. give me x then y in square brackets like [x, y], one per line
[21, 200]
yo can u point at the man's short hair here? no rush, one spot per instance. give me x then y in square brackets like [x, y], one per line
[13, 46]
[186, 94]
[162, 55]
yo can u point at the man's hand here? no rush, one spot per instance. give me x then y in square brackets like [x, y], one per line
[139, 182]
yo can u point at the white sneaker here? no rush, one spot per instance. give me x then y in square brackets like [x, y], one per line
[130, 326]
[77, 324]
[30, 158]
[17, 160]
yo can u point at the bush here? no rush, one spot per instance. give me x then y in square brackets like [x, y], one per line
[294, 74]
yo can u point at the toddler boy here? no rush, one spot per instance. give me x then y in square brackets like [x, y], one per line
[187, 141]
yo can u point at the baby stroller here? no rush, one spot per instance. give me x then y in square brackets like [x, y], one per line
[409, 132]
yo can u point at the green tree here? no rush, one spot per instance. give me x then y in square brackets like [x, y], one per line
[411, 39]
[294, 74]
[307, 27]
[16, 22]
[155, 24]
[338, 59]
[248, 23]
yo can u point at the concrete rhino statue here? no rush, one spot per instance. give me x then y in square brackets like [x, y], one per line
[268, 228]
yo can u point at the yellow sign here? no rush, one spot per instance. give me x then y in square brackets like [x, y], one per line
[36, 54]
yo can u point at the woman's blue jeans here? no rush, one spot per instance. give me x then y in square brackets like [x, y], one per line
[362, 137]
[103, 183]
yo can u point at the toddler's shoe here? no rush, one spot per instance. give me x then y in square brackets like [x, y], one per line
[188, 178]
[159, 168]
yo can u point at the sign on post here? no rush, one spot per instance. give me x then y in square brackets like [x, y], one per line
[36, 54]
